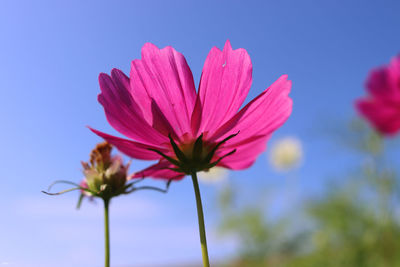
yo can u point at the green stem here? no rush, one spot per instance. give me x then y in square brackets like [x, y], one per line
[106, 233]
[203, 240]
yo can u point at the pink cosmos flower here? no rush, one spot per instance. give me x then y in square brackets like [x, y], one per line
[158, 109]
[382, 107]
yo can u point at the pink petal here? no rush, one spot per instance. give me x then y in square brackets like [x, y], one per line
[162, 79]
[384, 116]
[377, 82]
[245, 155]
[131, 148]
[382, 107]
[122, 111]
[256, 122]
[384, 82]
[224, 85]
[263, 115]
[160, 170]
[394, 76]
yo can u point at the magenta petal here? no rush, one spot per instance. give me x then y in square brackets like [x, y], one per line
[246, 153]
[160, 170]
[256, 122]
[384, 82]
[122, 111]
[263, 115]
[131, 148]
[377, 82]
[394, 75]
[384, 116]
[224, 85]
[163, 76]
[382, 107]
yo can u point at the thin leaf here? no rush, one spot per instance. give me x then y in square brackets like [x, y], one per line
[61, 192]
[61, 182]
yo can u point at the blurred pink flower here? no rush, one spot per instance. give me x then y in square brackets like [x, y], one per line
[382, 106]
[157, 106]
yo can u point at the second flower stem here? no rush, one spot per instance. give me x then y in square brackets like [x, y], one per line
[202, 230]
[106, 233]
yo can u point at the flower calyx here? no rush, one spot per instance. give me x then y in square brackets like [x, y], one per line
[197, 158]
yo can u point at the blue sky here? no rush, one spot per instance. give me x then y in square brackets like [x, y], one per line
[51, 53]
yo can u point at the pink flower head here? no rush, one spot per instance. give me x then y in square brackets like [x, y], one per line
[382, 107]
[158, 109]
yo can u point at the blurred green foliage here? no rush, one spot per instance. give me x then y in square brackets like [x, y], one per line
[353, 224]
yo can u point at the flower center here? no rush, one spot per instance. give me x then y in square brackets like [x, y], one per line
[188, 150]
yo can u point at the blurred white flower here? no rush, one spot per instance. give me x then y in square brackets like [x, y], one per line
[214, 175]
[286, 154]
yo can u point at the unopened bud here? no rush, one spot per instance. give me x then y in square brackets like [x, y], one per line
[105, 175]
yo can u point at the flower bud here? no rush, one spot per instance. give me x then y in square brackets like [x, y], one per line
[105, 175]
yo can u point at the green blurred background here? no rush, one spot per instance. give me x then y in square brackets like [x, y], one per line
[353, 222]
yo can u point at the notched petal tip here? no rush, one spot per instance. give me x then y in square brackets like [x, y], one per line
[228, 45]
[148, 48]
[103, 77]
[228, 48]
[117, 74]
[105, 82]
[149, 45]
[284, 76]
[283, 84]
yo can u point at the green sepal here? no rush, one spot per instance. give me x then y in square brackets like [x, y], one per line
[212, 152]
[179, 154]
[127, 187]
[169, 183]
[198, 148]
[213, 164]
[173, 161]
[78, 205]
